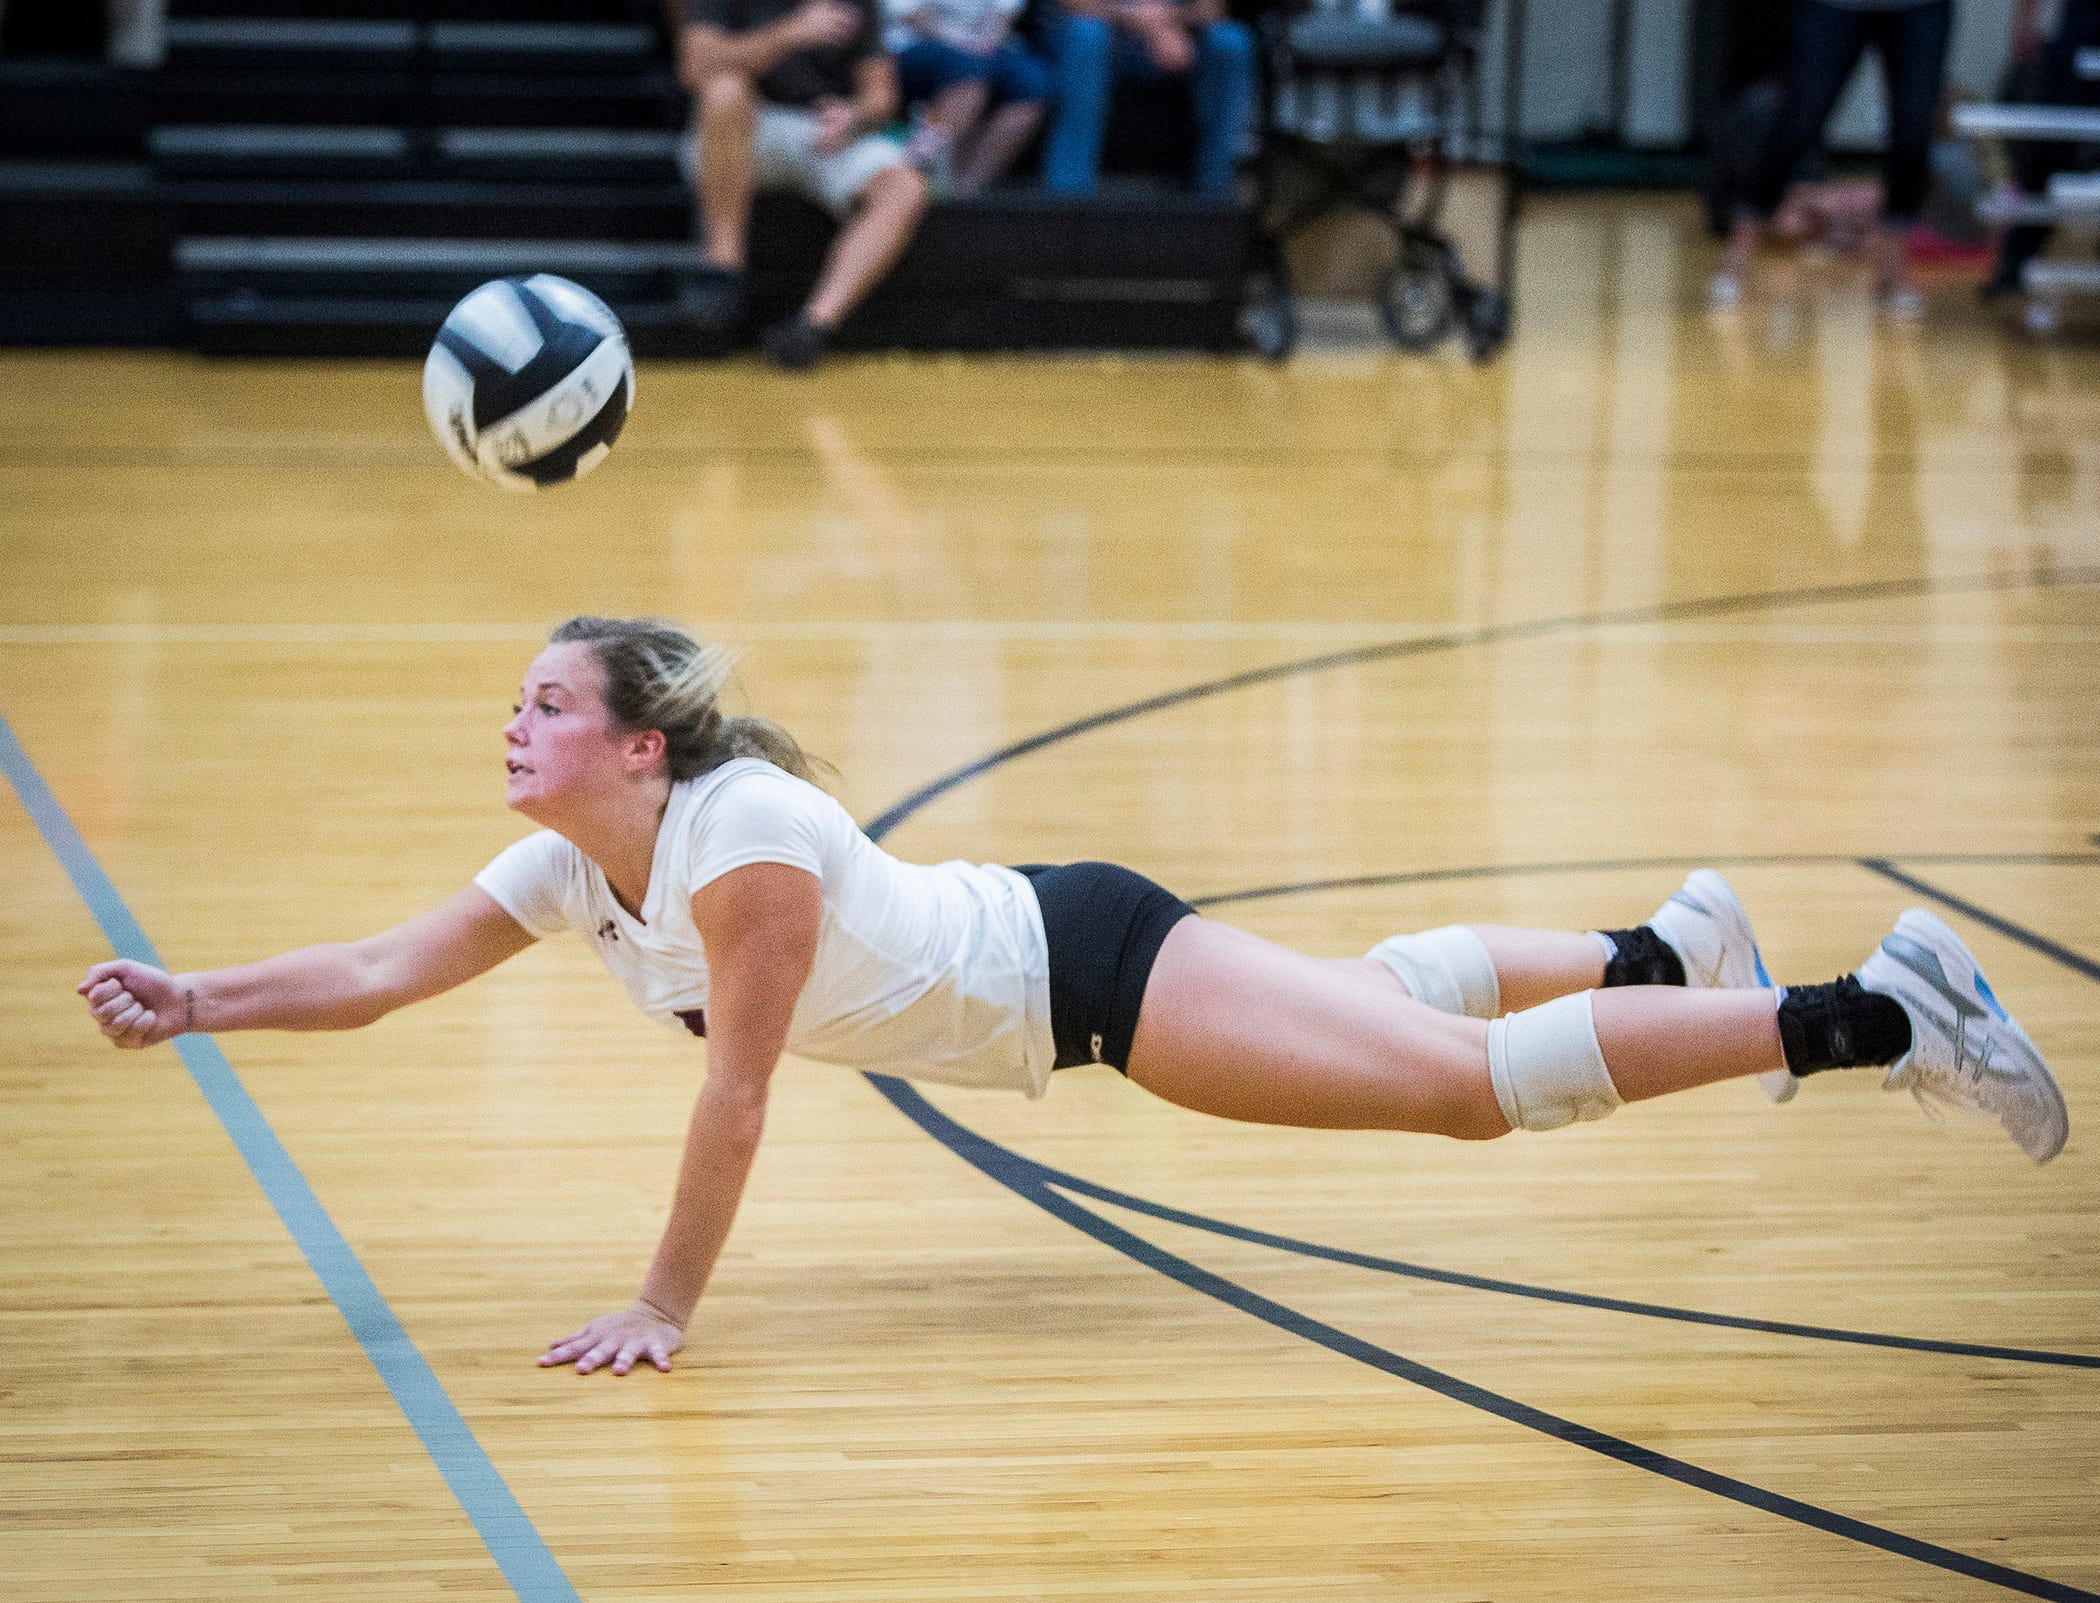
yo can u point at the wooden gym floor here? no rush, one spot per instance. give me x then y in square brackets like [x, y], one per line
[1814, 599]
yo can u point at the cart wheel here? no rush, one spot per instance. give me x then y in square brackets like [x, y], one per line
[1486, 320]
[1416, 301]
[1270, 323]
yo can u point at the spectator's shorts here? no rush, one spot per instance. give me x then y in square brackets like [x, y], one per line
[1012, 71]
[784, 156]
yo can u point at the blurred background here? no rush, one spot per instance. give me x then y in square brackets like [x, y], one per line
[328, 177]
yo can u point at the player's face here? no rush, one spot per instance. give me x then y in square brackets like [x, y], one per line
[562, 744]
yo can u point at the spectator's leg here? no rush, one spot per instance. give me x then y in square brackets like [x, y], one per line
[951, 87]
[868, 246]
[1224, 100]
[1828, 41]
[959, 107]
[1082, 59]
[1913, 46]
[1002, 138]
[727, 114]
[1022, 84]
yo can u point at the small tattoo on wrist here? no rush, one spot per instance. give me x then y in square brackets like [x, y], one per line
[189, 1008]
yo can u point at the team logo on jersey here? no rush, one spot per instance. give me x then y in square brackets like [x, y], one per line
[608, 931]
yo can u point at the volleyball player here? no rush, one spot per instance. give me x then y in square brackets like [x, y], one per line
[731, 895]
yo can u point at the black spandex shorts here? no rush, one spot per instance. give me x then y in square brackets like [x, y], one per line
[1104, 926]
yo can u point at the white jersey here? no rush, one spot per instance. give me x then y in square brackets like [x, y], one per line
[937, 973]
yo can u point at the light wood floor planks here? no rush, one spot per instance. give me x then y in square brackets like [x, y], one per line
[259, 638]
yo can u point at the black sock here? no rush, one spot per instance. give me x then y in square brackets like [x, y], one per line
[1641, 957]
[1840, 1026]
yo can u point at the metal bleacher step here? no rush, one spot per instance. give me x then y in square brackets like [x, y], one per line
[603, 154]
[265, 149]
[355, 71]
[2072, 198]
[2051, 277]
[408, 269]
[644, 98]
[1012, 270]
[567, 47]
[422, 10]
[541, 155]
[2029, 122]
[2076, 191]
[422, 207]
[372, 42]
[340, 43]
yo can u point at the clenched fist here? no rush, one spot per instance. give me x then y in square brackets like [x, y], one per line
[136, 1004]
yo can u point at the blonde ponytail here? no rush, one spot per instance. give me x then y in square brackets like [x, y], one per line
[659, 677]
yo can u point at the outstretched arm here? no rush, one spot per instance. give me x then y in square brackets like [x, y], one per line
[759, 924]
[340, 986]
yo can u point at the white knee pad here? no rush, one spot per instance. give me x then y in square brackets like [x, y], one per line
[1449, 969]
[1547, 1067]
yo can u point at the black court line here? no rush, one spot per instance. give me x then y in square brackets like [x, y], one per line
[1596, 865]
[1486, 635]
[1514, 1288]
[1989, 920]
[1027, 1180]
[1022, 1177]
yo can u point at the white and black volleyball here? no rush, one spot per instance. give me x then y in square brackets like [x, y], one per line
[529, 382]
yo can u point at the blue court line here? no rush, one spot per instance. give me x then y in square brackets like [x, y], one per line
[504, 1527]
[1027, 1180]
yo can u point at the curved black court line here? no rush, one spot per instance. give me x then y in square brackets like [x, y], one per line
[1023, 1177]
[1048, 1175]
[1516, 1288]
[2040, 943]
[1485, 635]
[951, 1134]
[1603, 865]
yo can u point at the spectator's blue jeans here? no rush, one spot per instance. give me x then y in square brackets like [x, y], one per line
[1088, 55]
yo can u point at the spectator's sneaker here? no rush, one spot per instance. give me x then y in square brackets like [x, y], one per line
[1707, 928]
[711, 298]
[1965, 1048]
[796, 345]
[1724, 292]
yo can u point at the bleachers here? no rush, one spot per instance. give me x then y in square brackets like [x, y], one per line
[2072, 199]
[316, 184]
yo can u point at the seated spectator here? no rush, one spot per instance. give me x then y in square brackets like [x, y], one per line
[957, 58]
[792, 94]
[1092, 43]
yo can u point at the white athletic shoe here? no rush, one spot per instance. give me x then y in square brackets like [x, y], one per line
[1705, 925]
[1965, 1048]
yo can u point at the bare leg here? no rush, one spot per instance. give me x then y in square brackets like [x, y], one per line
[1531, 966]
[1239, 1027]
[994, 148]
[870, 243]
[728, 106]
[957, 107]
